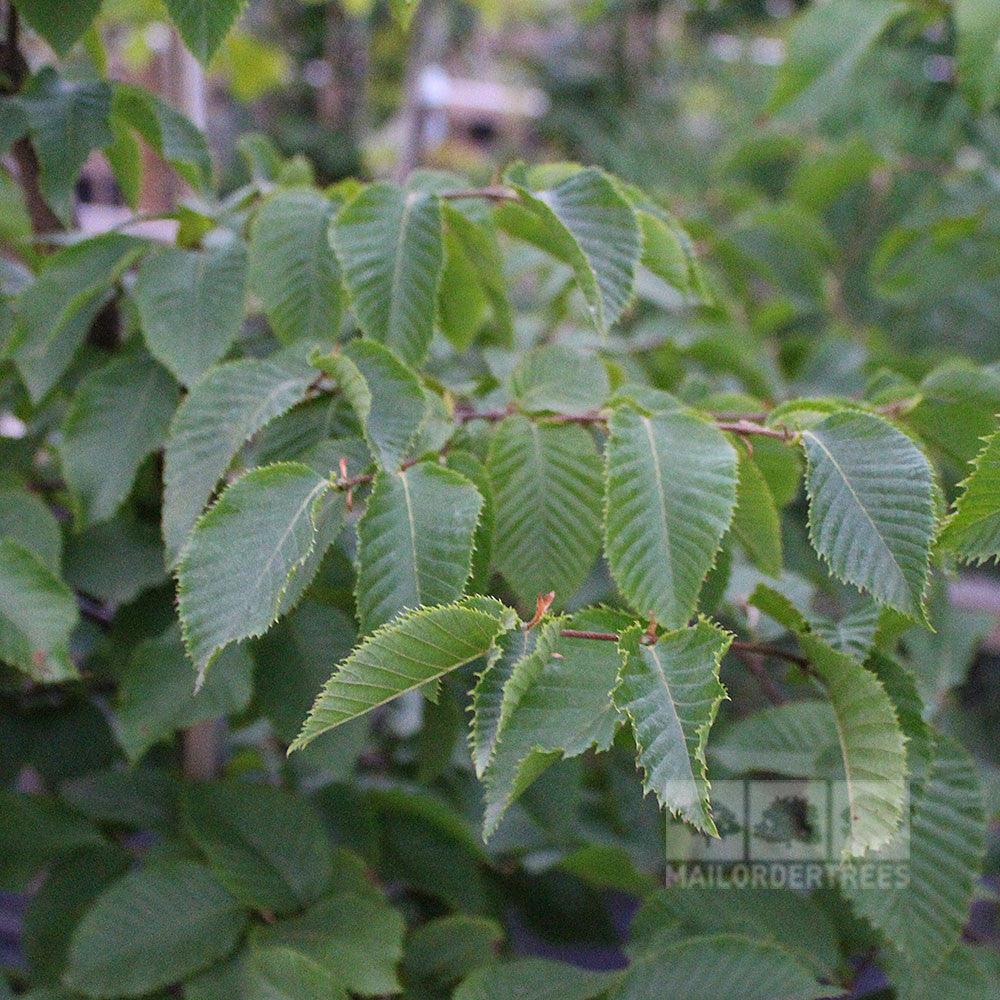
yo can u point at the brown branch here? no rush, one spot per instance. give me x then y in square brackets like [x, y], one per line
[762, 649]
[737, 646]
[573, 633]
[745, 427]
[494, 193]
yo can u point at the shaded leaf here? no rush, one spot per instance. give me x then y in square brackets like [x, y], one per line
[37, 614]
[152, 928]
[119, 415]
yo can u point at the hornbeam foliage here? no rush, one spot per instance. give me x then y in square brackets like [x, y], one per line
[501, 507]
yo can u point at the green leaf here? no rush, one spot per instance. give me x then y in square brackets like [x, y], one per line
[239, 562]
[534, 979]
[115, 561]
[266, 846]
[191, 305]
[61, 26]
[69, 890]
[152, 928]
[169, 133]
[462, 300]
[555, 702]
[357, 939]
[671, 491]
[37, 614]
[391, 250]
[473, 242]
[405, 654]
[973, 530]
[585, 222]
[204, 24]
[67, 119]
[756, 524]
[977, 37]
[826, 43]
[36, 831]
[558, 379]
[56, 311]
[442, 951]
[960, 975]
[157, 697]
[293, 269]
[296, 658]
[871, 514]
[384, 393]
[871, 741]
[119, 415]
[547, 487]
[670, 691]
[29, 522]
[943, 846]
[468, 465]
[783, 917]
[957, 409]
[667, 249]
[720, 965]
[229, 405]
[414, 542]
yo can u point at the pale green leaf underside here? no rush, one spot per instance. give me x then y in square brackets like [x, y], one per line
[670, 691]
[293, 268]
[944, 847]
[973, 531]
[417, 647]
[229, 405]
[871, 514]
[391, 251]
[238, 563]
[487, 695]
[871, 741]
[671, 491]
[547, 486]
[414, 542]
